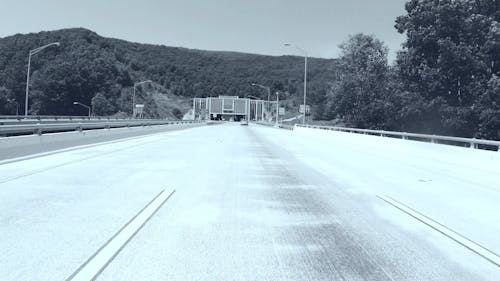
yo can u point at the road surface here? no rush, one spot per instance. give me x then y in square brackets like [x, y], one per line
[250, 203]
[28, 145]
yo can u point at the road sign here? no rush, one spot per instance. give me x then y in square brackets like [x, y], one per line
[282, 111]
[139, 109]
[308, 109]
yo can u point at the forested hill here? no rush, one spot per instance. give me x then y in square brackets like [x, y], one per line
[92, 69]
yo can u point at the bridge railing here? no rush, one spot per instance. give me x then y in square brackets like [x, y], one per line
[471, 142]
[273, 124]
[40, 128]
[60, 117]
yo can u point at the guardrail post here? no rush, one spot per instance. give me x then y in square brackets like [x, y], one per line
[38, 129]
[473, 145]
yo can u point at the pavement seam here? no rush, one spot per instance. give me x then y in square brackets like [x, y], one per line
[101, 269]
[471, 245]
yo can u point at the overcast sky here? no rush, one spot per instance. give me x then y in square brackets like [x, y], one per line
[254, 26]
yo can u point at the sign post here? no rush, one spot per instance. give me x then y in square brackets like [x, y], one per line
[281, 111]
[139, 109]
[308, 109]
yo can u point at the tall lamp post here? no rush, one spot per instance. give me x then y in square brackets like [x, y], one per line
[268, 89]
[305, 76]
[86, 106]
[277, 108]
[33, 52]
[133, 98]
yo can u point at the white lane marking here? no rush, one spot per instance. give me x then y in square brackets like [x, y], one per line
[91, 269]
[457, 237]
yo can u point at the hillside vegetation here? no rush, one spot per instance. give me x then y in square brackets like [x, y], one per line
[87, 66]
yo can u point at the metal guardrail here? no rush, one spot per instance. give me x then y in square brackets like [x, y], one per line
[471, 142]
[281, 126]
[41, 128]
[60, 117]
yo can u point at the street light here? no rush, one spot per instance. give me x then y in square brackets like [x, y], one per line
[265, 88]
[33, 52]
[277, 107]
[133, 98]
[86, 106]
[305, 76]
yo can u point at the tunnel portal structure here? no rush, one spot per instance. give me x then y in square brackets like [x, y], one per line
[233, 108]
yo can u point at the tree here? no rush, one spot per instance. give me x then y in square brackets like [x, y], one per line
[177, 113]
[451, 54]
[489, 108]
[101, 106]
[7, 101]
[358, 94]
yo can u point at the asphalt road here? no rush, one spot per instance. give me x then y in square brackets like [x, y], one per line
[20, 146]
[244, 208]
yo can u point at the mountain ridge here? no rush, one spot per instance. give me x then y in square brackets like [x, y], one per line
[87, 64]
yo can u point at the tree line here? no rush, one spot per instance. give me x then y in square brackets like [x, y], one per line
[445, 79]
[101, 72]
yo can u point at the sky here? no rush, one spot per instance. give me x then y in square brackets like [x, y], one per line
[252, 26]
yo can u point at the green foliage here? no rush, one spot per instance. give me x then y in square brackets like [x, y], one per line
[358, 95]
[86, 64]
[451, 54]
[177, 113]
[445, 80]
[101, 106]
[7, 103]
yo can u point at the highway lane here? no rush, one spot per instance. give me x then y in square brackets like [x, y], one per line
[245, 208]
[20, 146]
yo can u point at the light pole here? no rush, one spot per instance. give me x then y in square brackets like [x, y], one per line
[133, 98]
[33, 52]
[277, 107]
[86, 106]
[265, 88]
[305, 76]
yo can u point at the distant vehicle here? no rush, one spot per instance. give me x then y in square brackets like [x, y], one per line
[244, 122]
